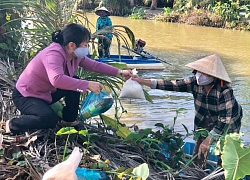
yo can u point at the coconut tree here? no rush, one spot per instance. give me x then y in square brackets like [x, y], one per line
[154, 4]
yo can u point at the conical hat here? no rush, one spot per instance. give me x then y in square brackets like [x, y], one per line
[102, 9]
[211, 65]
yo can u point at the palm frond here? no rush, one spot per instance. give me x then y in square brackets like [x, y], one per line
[42, 17]
[217, 174]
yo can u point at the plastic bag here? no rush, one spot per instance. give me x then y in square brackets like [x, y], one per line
[57, 107]
[95, 104]
[132, 89]
[65, 170]
[90, 174]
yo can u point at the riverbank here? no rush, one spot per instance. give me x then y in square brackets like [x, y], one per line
[201, 17]
[152, 14]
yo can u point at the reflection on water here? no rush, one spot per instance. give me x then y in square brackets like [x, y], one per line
[180, 44]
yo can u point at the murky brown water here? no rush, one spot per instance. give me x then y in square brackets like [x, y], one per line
[181, 44]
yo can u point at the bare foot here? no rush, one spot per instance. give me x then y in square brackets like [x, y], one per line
[7, 126]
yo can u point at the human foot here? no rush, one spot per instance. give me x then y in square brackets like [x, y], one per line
[7, 126]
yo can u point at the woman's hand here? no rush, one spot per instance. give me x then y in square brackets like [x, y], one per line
[146, 82]
[205, 145]
[126, 73]
[101, 37]
[95, 87]
[138, 79]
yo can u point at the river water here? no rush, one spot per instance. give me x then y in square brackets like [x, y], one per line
[180, 44]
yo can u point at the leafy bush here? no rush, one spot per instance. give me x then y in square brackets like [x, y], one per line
[9, 37]
[38, 20]
[118, 7]
[166, 10]
[138, 13]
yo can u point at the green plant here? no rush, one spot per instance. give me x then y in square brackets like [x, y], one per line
[166, 10]
[117, 7]
[137, 13]
[68, 131]
[245, 9]
[117, 128]
[140, 172]
[235, 157]
[42, 17]
[164, 144]
[9, 37]
[228, 10]
[39, 18]
[180, 5]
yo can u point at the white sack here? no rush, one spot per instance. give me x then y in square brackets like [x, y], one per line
[132, 89]
[65, 170]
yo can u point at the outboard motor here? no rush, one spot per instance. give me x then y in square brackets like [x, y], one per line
[139, 44]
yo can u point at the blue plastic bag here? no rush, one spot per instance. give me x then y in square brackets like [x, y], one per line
[95, 104]
[88, 174]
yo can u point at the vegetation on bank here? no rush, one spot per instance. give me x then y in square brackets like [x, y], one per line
[232, 14]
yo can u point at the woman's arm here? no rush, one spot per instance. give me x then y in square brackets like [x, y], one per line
[98, 67]
[55, 73]
[103, 68]
[183, 85]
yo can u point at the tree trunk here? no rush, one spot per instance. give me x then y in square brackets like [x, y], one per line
[132, 2]
[170, 3]
[153, 5]
[92, 3]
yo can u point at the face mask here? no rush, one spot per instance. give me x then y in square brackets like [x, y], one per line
[203, 79]
[81, 52]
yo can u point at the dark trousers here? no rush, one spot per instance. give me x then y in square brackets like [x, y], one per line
[37, 113]
[103, 47]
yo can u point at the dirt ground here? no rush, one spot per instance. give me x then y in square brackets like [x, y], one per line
[150, 14]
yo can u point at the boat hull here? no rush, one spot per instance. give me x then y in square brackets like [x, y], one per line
[137, 62]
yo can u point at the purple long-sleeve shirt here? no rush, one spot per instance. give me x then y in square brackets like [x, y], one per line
[51, 69]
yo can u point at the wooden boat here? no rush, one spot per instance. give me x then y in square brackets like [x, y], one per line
[189, 147]
[138, 62]
[143, 60]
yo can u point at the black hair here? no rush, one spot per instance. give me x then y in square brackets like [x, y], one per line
[194, 71]
[75, 33]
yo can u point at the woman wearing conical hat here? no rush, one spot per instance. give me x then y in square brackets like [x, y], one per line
[104, 41]
[216, 108]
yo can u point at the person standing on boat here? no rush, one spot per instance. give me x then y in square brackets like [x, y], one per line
[216, 108]
[104, 41]
[50, 76]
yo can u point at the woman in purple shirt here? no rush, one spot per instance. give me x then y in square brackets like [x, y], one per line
[50, 76]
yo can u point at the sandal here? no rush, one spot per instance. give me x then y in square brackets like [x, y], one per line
[5, 128]
[66, 123]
